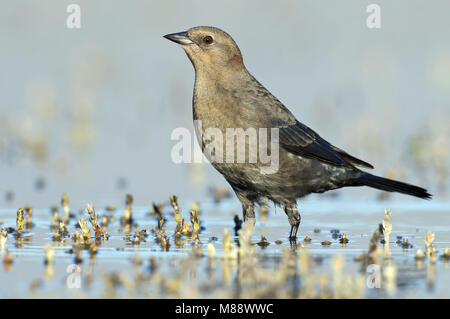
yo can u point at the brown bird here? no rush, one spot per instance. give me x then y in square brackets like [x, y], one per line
[226, 95]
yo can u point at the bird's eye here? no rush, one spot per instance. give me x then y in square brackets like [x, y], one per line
[208, 39]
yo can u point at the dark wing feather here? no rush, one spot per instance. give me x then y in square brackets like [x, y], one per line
[300, 140]
[294, 136]
[352, 159]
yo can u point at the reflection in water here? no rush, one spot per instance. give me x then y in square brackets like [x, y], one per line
[158, 255]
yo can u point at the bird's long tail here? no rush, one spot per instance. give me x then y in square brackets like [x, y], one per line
[390, 185]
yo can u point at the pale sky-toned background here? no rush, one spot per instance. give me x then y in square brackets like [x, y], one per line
[84, 108]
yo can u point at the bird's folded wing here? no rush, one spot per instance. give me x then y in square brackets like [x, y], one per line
[300, 140]
[294, 136]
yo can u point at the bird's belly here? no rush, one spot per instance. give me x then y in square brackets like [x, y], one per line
[296, 177]
[293, 177]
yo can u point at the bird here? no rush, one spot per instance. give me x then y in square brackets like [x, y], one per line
[226, 95]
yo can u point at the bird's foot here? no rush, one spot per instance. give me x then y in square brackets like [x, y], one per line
[293, 236]
[293, 233]
[293, 242]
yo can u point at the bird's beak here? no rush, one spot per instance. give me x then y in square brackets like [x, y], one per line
[180, 38]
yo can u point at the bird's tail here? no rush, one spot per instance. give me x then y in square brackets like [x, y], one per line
[390, 185]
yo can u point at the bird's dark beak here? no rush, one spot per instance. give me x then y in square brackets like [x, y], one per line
[180, 38]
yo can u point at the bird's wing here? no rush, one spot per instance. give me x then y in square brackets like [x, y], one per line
[300, 140]
[352, 159]
[294, 136]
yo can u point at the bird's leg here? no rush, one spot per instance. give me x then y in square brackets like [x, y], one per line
[294, 219]
[248, 210]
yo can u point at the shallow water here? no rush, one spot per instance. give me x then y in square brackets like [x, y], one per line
[122, 269]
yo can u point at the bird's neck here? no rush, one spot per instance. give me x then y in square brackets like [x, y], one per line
[214, 100]
[226, 78]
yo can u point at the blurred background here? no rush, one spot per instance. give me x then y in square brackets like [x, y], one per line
[89, 112]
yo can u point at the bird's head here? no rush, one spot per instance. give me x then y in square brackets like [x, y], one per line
[209, 48]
